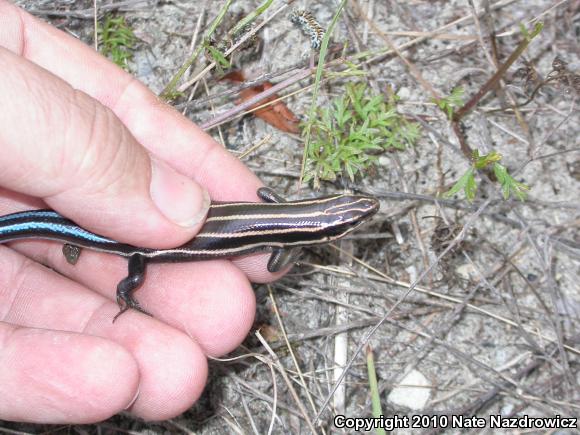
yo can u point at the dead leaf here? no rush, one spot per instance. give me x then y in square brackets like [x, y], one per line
[277, 114]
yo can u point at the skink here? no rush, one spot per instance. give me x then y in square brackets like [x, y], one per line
[231, 229]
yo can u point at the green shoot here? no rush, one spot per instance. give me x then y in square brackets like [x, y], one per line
[233, 36]
[452, 102]
[218, 57]
[538, 26]
[347, 135]
[509, 184]
[468, 184]
[373, 384]
[250, 18]
[116, 40]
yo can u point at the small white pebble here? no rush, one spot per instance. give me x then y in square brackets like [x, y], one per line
[413, 393]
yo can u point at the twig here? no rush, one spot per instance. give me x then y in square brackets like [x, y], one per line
[168, 91]
[491, 83]
[96, 26]
[289, 347]
[88, 14]
[288, 382]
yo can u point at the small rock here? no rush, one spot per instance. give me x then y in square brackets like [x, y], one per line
[384, 161]
[414, 392]
[467, 271]
[404, 93]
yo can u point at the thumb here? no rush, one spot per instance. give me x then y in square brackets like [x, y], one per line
[63, 146]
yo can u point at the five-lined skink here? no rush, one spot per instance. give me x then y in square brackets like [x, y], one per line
[231, 229]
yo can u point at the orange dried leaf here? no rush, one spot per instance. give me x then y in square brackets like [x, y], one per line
[277, 115]
[234, 76]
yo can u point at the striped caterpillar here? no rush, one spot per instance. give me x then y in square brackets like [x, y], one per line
[306, 21]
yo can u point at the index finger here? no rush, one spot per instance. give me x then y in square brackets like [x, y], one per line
[158, 127]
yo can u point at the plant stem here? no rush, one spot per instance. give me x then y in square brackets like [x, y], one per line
[251, 17]
[313, 105]
[492, 82]
[374, 386]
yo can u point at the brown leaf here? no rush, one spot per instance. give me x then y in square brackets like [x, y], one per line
[277, 115]
[234, 76]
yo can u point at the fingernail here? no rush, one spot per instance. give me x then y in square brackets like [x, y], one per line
[133, 400]
[179, 198]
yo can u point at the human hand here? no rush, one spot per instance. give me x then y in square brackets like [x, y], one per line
[81, 136]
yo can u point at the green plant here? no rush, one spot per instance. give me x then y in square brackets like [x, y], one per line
[347, 135]
[450, 103]
[218, 57]
[374, 387]
[468, 184]
[116, 40]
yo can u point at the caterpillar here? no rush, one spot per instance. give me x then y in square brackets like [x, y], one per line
[306, 21]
